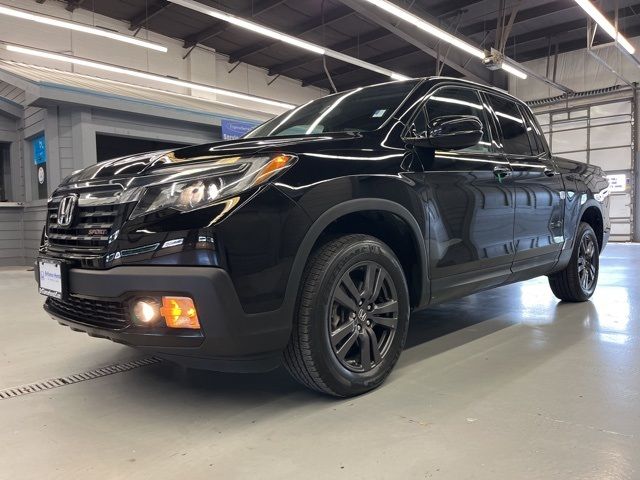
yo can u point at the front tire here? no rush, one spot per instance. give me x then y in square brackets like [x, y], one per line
[352, 317]
[577, 282]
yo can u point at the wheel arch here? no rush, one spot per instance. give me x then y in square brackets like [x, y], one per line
[593, 216]
[335, 219]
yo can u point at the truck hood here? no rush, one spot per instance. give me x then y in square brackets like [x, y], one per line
[154, 163]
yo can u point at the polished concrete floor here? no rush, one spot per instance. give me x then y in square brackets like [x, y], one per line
[506, 384]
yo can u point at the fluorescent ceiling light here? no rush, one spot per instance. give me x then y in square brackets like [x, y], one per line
[605, 24]
[56, 22]
[147, 76]
[254, 27]
[283, 37]
[426, 27]
[513, 71]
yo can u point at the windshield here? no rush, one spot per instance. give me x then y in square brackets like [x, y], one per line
[360, 110]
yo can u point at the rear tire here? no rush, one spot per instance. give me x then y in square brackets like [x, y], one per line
[577, 282]
[352, 315]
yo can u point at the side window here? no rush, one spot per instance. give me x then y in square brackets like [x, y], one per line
[515, 138]
[459, 101]
[535, 134]
[420, 122]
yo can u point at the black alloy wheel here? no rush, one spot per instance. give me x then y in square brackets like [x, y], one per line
[578, 280]
[364, 316]
[352, 317]
[586, 267]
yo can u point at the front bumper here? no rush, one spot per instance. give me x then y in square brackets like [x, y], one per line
[229, 340]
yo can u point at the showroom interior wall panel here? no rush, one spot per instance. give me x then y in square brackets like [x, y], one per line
[8, 128]
[11, 226]
[65, 142]
[34, 124]
[11, 93]
[11, 236]
[141, 126]
[33, 221]
[610, 139]
[11, 131]
[202, 65]
[600, 132]
[577, 70]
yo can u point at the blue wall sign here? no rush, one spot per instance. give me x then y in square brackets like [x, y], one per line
[39, 148]
[234, 129]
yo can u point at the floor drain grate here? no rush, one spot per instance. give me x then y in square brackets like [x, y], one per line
[76, 378]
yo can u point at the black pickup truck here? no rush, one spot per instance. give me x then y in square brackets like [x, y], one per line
[311, 240]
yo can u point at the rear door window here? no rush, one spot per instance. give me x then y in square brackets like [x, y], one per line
[515, 137]
[535, 134]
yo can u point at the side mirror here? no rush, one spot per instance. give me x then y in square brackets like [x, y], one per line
[451, 132]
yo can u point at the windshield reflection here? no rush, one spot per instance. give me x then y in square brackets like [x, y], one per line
[361, 110]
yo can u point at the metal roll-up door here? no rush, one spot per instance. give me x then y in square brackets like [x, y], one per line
[599, 134]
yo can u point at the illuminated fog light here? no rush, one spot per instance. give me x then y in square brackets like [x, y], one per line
[179, 312]
[146, 311]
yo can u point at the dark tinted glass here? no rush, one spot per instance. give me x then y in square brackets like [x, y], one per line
[515, 139]
[459, 101]
[360, 110]
[535, 134]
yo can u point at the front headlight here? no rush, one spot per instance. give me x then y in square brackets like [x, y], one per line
[187, 195]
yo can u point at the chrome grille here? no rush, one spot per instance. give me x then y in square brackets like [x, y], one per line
[90, 231]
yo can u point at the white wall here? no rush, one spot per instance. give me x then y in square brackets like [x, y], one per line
[579, 71]
[203, 65]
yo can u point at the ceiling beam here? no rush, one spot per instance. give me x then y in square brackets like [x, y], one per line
[147, 13]
[72, 4]
[568, 46]
[364, 39]
[450, 7]
[314, 23]
[554, 8]
[346, 69]
[567, 27]
[339, 13]
[459, 61]
[369, 37]
[205, 34]
[218, 27]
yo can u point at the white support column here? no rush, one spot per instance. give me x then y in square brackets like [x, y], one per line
[83, 138]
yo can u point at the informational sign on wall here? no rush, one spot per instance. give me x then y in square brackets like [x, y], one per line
[618, 182]
[39, 148]
[234, 129]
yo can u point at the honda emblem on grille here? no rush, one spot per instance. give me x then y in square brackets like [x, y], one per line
[67, 210]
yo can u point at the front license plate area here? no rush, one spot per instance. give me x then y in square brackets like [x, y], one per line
[52, 278]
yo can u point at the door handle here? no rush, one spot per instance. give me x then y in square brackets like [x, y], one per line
[501, 172]
[550, 172]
